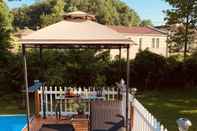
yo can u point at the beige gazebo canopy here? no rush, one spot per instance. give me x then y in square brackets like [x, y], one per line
[76, 31]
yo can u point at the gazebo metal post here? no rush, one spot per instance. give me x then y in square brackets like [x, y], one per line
[120, 53]
[127, 88]
[42, 80]
[120, 64]
[120, 71]
[26, 87]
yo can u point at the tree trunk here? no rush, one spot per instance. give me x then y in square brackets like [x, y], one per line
[186, 37]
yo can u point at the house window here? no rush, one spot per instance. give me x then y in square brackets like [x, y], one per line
[140, 43]
[157, 43]
[153, 42]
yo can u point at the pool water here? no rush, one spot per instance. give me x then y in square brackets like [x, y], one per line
[12, 122]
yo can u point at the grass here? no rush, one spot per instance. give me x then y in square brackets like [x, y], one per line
[11, 104]
[169, 105]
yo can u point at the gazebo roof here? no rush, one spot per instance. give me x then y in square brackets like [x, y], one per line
[74, 33]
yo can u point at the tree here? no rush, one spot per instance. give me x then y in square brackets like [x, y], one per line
[184, 14]
[5, 29]
[39, 14]
[5, 32]
[55, 15]
[146, 23]
[43, 13]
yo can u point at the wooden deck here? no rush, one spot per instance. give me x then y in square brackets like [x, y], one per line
[78, 124]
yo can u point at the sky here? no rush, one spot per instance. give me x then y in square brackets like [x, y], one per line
[150, 9]
[146, 9]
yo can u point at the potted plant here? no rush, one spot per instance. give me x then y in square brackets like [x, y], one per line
[81, 109]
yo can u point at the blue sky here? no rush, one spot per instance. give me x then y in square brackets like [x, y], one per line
[147, 9]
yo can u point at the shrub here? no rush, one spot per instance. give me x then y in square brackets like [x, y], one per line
[190, 70]
[149, 69]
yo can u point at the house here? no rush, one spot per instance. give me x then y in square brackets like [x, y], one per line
[149, 38]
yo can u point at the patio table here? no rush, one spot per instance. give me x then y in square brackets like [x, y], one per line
[88, 99]
[80, 98]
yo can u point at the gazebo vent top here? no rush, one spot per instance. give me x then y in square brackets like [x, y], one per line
[79, 15]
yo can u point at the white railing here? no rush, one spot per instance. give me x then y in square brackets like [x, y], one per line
[68, 106]
[143, 120]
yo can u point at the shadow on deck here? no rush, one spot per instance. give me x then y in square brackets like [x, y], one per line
[78, 124]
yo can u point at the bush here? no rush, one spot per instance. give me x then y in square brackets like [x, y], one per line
[90, 68]
[149, 69]
[174, 74]
[190, 71]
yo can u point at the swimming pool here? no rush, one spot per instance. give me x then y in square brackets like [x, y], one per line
[12, 122]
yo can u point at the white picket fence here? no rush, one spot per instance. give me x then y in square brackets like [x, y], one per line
[142, 119]
[67, 106]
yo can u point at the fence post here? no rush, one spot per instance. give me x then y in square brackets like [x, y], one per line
[65, 102]
[61, 92]
[113, 93]
[46, 100]
[51, 100]
[158, 127]
[55, 92]
[108, 93]
[103, 92]
[162, 128]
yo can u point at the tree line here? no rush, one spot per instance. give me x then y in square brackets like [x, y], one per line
[110, 12]
[84, 67]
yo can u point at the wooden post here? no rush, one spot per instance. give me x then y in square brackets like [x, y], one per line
[131, 116]
[37, 104]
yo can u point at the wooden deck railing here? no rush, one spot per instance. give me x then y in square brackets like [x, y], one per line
[68, 106]
[141, 118]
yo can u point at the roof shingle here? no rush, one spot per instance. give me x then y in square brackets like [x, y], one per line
[137, 30]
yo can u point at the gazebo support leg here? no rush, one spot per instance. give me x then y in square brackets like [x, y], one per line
[120, 72]
[120, 53]
[26, 88]
[43, 88]
[127, 89]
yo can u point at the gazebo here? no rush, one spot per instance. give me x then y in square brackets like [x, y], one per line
[77, 30]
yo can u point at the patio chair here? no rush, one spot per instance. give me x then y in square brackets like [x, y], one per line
[57, 127]
[106, 116]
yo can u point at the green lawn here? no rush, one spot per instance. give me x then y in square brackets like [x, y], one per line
[168, 105]
[11, 104]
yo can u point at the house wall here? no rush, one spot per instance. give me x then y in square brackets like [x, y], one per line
[145, 44]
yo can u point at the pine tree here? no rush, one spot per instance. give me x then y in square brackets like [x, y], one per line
[184, 14]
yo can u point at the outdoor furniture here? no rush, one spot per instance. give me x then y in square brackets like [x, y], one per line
[106, 116]
[56, 127]
[76, 98]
